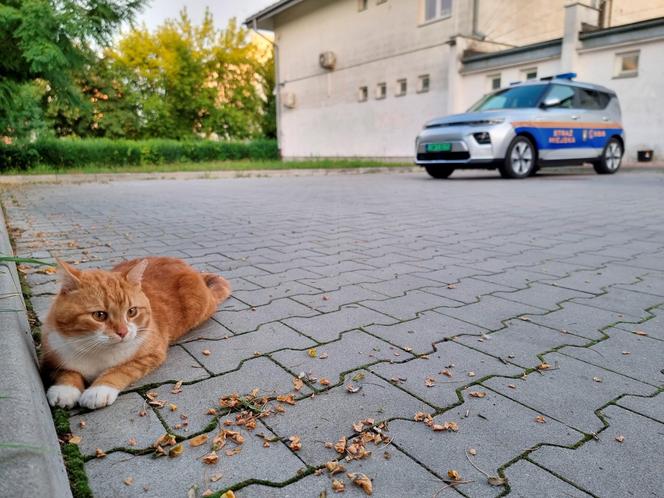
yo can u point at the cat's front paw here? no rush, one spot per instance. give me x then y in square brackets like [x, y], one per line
[98, 396]
[62, 395]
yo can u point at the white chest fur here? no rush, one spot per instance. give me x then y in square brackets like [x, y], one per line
[88, 360]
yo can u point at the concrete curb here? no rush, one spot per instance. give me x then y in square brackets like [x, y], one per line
[33, 465]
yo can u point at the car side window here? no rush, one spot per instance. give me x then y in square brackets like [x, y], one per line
[589, 99]
[563, 93]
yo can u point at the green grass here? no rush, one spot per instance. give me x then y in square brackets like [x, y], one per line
[238, 166]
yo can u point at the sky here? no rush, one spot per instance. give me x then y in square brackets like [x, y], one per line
[158, 10]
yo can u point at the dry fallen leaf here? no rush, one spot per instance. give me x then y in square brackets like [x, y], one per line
[99, 453]
[640, 332]
[353, 388]
[286, 398]
[207, 492]
[511, 386]
[362, 481]
[540, 419]
[177, 388]
[338, 486]
[496, 481]
[472, 451]
[454, 475]
[446, 373]
[206, 352]
[524, 318]
[234, 451]
[176, 450]
[312, 352]
[333, 467]
[297, 384]
[173, 406]
[597, 379]
[211, 458]
[543, 366]
[198, 440]
[477, 394]
[164, 440]
[340, 446]
[471, 374]
[81, 423]
[129, 481]
[216, 477]
[295, 443]
[358, 426]
[429, 382]
[620, 438]
[74, 439]
[228, 494]
[132, 441]
[324, 381]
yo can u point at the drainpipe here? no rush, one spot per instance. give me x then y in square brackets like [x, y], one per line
[476, 14]
[277, 85]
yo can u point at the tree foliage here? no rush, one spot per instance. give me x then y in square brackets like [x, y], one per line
[42, 45]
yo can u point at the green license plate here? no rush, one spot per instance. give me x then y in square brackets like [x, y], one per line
[439, 147]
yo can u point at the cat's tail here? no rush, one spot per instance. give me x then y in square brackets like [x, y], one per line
[219, 286]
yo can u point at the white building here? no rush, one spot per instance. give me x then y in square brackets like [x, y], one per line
[358, 78]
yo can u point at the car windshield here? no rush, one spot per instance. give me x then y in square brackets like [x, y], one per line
[516, 97]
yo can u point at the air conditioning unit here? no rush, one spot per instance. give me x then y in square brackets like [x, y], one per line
[289, 100]
[327, 60]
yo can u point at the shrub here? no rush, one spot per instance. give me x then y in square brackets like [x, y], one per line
[67, 153]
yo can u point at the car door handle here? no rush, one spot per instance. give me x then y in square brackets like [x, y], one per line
[604, 118]
[575, 117]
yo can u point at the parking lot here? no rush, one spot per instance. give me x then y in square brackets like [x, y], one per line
[528, 316]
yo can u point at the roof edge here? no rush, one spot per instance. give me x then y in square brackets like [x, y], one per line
[270, 11]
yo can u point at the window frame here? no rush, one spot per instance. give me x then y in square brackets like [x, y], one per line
[527, 71]
[402, 87]
[493, 77]
[381, 91]
[420, 83]
[439, 14]
[618, 71]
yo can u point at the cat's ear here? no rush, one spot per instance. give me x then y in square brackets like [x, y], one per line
[135, 275]
[69, 277]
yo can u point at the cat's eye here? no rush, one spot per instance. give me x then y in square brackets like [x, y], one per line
[100, 316]
[132, 312]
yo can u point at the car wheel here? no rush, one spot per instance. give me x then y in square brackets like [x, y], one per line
[611, 157]
[520, 159]
[439, 171]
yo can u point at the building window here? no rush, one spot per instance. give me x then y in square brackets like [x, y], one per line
[381, 91]
[363, 94]
[627, 65]
[437, 9]
[529, 74]
[362, 5]
[423, 83]
[494, 82]
[402, 87]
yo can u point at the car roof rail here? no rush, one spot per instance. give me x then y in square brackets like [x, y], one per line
[561, 76]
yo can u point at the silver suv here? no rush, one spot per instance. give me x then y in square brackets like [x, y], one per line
[518, 129]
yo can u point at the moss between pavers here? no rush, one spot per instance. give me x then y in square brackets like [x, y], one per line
[74, 461]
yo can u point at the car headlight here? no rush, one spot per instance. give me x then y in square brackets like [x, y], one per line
[482, 137]
[485, 122]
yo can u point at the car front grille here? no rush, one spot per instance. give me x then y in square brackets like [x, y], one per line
[443, 156]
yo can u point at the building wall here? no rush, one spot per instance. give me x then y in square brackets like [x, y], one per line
[641, 97]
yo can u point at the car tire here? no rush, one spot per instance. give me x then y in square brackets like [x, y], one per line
[439, 172]
[520, 159]
[611, 158]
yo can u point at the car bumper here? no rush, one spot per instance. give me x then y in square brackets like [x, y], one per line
[465, 150]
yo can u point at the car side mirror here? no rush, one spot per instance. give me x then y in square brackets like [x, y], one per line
[550, 102]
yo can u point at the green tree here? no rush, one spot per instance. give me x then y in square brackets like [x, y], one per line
[42, 44]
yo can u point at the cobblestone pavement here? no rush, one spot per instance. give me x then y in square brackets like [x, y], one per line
[530, 313]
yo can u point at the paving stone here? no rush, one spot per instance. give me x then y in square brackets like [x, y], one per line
[578, 319]
[330, 415]
[397, 476]
[114, 426]
[643, 360]
[467, 290]
[652, 283]
[485, 430]
[354, 350]
[242, 321]
[608, 468]
[527, 480]
[597, 281]
[196, 399]
[397, 287]
[551, 392]
[628, 303]
[520, 342]
[542, 295]
[227, 354]
[652, 407]
[209, 330]
[653, 325]
[410, 305]
[266, 296]
[179, 366]
[327, 327]
[328, 284]
[490, 312]
[333, 300]
[107, 475]
[422, 332]
[451, 274]
[464, 365]
[516, 278]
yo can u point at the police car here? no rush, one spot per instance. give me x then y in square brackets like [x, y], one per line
[518, 129]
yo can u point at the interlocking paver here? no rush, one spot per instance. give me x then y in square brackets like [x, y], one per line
[366, 281]
[606, 467]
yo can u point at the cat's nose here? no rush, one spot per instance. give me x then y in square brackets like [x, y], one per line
[121, 331]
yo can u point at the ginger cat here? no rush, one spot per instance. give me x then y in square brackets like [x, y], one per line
[108, 329]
